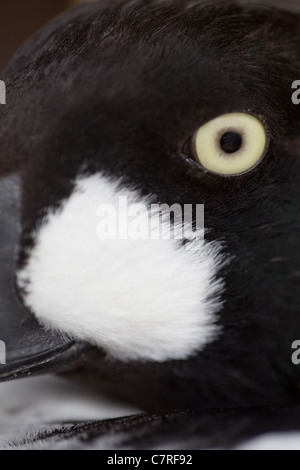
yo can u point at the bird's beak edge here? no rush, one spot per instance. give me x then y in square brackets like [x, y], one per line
[26, 348]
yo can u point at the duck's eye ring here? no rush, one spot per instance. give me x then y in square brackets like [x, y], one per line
[231, 144]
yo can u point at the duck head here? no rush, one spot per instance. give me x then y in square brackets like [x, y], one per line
[169, 102]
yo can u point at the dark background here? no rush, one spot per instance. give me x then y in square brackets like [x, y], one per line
[21, 18]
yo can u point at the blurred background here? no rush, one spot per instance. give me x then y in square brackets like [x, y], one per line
[21, 18]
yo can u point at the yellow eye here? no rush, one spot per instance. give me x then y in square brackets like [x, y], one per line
[231, 144]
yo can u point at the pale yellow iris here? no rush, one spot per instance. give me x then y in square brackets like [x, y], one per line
[214, 158]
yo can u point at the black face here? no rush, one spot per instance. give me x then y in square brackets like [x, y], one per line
[122, 89]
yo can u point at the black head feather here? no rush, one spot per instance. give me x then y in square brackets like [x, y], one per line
[111, 80]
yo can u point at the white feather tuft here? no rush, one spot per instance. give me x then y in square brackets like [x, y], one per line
[137, 299]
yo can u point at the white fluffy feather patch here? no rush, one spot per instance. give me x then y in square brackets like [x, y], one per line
[137, 299]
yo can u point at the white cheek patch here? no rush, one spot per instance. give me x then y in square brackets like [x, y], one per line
[136, 299]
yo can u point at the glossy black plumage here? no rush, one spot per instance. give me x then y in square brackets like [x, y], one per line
[112, 80]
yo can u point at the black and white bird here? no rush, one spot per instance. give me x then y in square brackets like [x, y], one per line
[163, 102]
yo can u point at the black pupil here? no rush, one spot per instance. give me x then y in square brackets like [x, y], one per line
[231, 142]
